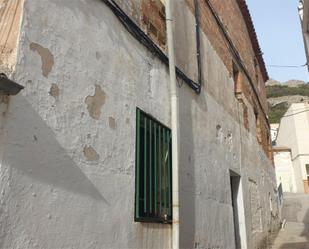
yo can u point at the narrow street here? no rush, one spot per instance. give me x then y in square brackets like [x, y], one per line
[295, 234]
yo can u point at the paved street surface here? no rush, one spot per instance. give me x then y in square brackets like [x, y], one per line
[295, 234]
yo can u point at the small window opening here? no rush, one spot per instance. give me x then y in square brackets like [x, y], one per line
[246, 116]
[258, 126]
[237, 80]
[153, 192]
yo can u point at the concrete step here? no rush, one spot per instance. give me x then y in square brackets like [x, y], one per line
[295, 235]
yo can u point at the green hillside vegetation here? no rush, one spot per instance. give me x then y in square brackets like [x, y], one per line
[277, 111]
[274, 91]
[283, 90]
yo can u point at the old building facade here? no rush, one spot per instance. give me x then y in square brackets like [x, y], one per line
[76, 141]
[293, 133]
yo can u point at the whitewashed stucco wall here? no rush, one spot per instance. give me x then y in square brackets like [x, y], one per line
[68, 164]
[294, 133]
[284, 171]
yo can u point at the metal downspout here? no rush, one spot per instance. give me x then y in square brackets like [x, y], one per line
[174, 125]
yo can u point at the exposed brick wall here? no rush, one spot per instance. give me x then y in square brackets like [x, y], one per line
[235, 25]
[150, 16]
[153, 20]
[131, 8]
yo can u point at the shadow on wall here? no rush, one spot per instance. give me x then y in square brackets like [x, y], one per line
[187, 183]
[32, 149]
[189, 236]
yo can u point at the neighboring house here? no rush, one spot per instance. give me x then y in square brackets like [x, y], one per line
[85, 148]
[304, 17]
[284, 169]
[274, 132]
[294, 134]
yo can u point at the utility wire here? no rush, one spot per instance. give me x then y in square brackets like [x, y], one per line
[295, 113]
[306, 64]
[143, 38]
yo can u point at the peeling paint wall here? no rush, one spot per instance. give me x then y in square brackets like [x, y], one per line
[94, 103]
[47, 57]
[68, 169]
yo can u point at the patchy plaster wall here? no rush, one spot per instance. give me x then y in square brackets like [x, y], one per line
[68, 165]
[47, 58]
[94, 103]
[73, 173]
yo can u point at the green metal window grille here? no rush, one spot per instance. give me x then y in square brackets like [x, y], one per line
[153, 183]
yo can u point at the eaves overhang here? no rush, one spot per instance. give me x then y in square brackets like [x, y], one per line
[281, 149]
[253, 37]
[9, 87]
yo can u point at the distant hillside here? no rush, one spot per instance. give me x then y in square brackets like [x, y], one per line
[285, 90]
[282, 95]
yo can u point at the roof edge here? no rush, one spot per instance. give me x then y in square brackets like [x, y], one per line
[253, 37]
[279, 149]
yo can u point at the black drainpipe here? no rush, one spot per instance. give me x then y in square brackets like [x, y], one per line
[198, 43]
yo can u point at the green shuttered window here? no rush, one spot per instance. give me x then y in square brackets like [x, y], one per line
[153, 186]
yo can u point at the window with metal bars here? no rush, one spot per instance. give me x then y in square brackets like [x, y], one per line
[153, 184]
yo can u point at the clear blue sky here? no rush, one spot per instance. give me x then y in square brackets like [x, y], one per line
[279, 32]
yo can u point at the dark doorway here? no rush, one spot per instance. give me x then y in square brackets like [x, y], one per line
[235, 182]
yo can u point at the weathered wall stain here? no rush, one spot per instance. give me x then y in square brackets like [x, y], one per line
[94, 103]
[98, 55]
[112, 123]
[47, 58]
[91, 154]
[54, 90]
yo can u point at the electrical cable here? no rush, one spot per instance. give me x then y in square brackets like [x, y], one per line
[198, 41]
[289, 115]
[289, 66]
[143, 38]
[235, 54]
[179, 84]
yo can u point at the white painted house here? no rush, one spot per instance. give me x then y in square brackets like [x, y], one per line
[274, 132]
[294, 134]
[284, 169]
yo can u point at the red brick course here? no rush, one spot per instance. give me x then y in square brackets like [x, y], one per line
[236, 25]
